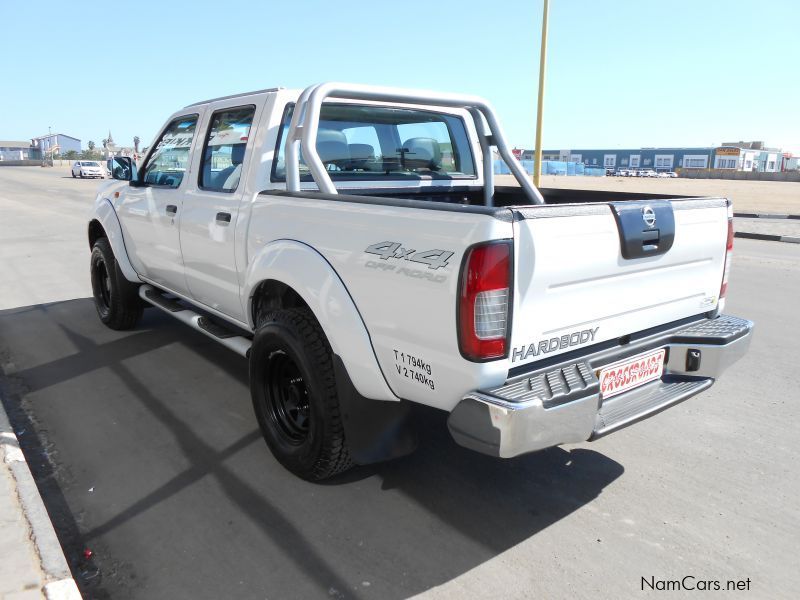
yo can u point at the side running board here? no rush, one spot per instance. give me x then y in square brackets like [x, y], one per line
[226, 337]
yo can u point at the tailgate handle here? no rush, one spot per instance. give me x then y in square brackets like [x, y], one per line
[646, 228]
[650, 240]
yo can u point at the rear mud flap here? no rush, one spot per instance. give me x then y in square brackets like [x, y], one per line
[375, 430]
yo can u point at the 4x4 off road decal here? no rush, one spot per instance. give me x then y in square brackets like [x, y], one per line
[435, 259]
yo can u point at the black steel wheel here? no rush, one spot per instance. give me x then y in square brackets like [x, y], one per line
[101, 281]
[115, 298]
[294, 395]
[288, 398]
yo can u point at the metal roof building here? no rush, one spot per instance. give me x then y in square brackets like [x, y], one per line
[739, 156]
[15, 150]
[658, 159]
[64, 143]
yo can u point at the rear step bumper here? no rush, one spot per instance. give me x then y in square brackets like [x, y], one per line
[561, 403]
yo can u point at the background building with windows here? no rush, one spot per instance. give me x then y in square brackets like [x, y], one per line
[14, 150]
[790, 163]
[748, 156]
[62, 143]
[734, 156]
[658, 159]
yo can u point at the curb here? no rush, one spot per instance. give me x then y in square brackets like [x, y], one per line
[764, 216]
[59, 582]
[769, 237]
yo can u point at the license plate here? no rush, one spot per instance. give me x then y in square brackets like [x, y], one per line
[631, 373]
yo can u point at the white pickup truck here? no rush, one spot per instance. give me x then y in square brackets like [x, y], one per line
[351, 243]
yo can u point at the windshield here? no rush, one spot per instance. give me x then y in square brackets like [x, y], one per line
[381, 142]
[90, 164]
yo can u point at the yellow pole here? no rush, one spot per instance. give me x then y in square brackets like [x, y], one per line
[537, 163]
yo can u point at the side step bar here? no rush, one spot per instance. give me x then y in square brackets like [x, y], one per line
[226, 337]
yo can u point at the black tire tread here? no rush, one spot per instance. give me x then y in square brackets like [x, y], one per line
[335, 457]
[126, 306]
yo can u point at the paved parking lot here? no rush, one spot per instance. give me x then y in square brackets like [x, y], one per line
[146, 451]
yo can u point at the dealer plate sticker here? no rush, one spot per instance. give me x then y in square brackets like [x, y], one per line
[631, 372]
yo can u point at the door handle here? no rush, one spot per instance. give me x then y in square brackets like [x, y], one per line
[223, 217]
[171, 210]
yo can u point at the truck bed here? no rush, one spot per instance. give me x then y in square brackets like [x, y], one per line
[506, 196]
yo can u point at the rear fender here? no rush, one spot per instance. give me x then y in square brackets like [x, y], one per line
[309, 274]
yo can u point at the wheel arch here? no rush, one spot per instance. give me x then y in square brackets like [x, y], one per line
[270, 295]
[104, 223]
[96, 231]
[288, 273]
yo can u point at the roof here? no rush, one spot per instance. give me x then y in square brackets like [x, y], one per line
[14, 144]
[42, 137]
[649, 149]
[275, 89]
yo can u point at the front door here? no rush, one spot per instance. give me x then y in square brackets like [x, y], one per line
[150, 212]
[211, 210]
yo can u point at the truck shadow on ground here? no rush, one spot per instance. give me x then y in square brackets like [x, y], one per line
[159, 420]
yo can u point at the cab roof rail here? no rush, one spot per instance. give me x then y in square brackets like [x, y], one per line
[275, 89]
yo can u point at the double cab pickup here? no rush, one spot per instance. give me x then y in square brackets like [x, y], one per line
[352, 244]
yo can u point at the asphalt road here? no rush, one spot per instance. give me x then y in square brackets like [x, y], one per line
[146, 451]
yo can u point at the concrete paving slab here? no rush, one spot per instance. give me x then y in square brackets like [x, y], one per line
[779, 227]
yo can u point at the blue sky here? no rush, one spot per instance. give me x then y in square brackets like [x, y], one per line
[620, 73]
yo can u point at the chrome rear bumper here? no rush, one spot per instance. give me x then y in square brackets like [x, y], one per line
[561, 403]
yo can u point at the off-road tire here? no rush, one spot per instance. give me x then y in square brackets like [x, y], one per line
[115, 298]
[294, 337]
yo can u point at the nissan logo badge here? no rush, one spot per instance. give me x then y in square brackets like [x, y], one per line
[649, 216]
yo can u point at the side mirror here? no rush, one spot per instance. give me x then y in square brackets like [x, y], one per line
[123, 168]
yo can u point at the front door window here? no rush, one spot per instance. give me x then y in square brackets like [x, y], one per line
[168, 162]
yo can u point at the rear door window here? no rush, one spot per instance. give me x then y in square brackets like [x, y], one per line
[224, 149]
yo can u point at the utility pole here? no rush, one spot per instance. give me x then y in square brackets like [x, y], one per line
[537, 159]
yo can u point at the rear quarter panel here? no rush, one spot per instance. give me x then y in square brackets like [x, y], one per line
[409, 309]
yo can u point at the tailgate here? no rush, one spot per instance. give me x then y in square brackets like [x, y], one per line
[595, 272]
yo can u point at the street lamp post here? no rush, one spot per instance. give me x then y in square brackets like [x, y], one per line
[537, 162]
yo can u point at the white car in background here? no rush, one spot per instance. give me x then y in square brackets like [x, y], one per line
[88, 168]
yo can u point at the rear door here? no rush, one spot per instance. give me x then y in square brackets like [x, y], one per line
[211, 208]
[590, 273]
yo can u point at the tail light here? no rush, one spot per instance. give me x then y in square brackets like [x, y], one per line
[484, 300]
[723, 290]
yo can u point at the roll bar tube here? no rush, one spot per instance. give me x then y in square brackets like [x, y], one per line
[302, 133]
